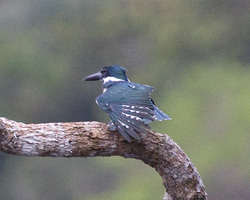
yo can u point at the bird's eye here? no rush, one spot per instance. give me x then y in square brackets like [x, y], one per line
[103, 71]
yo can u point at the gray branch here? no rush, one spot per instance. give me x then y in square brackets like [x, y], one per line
[88, 139]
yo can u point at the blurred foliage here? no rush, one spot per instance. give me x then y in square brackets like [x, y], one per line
[196, 54]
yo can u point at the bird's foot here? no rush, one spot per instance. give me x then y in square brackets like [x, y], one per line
[111, 126]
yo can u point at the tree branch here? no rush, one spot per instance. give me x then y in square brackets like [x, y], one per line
[88, 139]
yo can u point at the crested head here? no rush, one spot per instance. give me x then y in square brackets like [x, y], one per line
[115, 71]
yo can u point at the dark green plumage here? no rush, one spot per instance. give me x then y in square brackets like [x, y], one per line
[128, 104]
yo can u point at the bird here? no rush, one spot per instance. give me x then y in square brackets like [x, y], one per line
[128, 104]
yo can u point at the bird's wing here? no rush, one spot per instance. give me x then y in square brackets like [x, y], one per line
[129, 107]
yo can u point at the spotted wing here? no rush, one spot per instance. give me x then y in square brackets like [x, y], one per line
[129, 107]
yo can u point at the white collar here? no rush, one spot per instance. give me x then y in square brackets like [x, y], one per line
[113, 79]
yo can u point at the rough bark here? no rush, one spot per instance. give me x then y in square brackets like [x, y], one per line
[88, 139]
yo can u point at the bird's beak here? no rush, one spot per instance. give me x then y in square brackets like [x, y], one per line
[94, 77]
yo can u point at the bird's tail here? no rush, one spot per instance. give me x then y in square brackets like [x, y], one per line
[159, 115]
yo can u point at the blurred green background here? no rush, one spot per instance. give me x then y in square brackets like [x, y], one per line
[196, 54]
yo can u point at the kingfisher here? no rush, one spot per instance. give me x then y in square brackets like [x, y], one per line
[128, 104]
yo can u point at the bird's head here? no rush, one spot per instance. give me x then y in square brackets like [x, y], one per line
[116, 72]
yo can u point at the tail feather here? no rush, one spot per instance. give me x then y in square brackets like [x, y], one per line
[159, 115]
